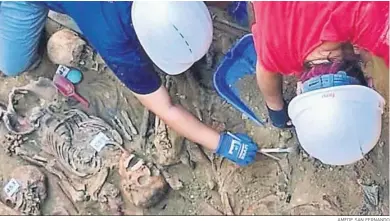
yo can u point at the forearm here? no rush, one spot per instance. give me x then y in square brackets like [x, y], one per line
[240, 150]
[179, 119]
[190, 127]
[270, 85]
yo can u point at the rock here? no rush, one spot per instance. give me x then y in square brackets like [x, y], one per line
[211, 184]
[225, 43]
[186, 159]
[244, 117]
[173, 181]
[196, 153]
[207, 210]
[286, 135]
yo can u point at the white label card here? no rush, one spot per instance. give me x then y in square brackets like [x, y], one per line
[62, 70]
[99, 141]
[12, 187]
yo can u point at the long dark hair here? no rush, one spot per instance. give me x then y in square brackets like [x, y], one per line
[350, 63]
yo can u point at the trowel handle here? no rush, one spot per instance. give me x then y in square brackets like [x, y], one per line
[81, 99]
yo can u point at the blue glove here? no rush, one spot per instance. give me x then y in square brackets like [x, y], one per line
[238, 148]
[279, 118]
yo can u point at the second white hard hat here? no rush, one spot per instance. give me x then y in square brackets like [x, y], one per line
[174, 34]
[338, 125]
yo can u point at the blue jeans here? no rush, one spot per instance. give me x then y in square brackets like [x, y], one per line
[21, 25]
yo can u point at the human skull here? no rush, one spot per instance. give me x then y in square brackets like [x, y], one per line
[65, 47]
[142, 184]
[31, 193]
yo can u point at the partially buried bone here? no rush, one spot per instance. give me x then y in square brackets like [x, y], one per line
[111, 200]
[168, 144]
[26, 190]
[12, 142]
[14, 122]
[129, 122]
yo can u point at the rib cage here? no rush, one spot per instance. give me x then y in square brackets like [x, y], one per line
[68, 140]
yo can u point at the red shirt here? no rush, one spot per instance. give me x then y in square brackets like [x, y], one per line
[285, 33]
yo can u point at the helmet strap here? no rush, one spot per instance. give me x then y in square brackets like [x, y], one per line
[328, 80]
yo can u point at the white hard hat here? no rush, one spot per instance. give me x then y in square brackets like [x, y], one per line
[174, 34]
[338, 125]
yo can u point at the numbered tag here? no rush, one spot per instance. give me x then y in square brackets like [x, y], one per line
[12, 187]
[62, 70]
[99, 141]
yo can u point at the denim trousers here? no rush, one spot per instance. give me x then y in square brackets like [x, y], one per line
[21, 27]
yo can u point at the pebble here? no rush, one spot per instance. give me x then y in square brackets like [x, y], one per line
[244, 117]
[301, 168]
[211, 184]
[225, 43]
[286, 135]
[181, 96]
[192, 196]
[381, 144]
[331, 169]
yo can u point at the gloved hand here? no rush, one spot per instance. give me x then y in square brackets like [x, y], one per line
[238, 148]
[280, 118]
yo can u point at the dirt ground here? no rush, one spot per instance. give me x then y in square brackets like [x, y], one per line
[294, 184]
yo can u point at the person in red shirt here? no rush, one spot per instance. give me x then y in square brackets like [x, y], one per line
[336, 115]
[309, 39]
